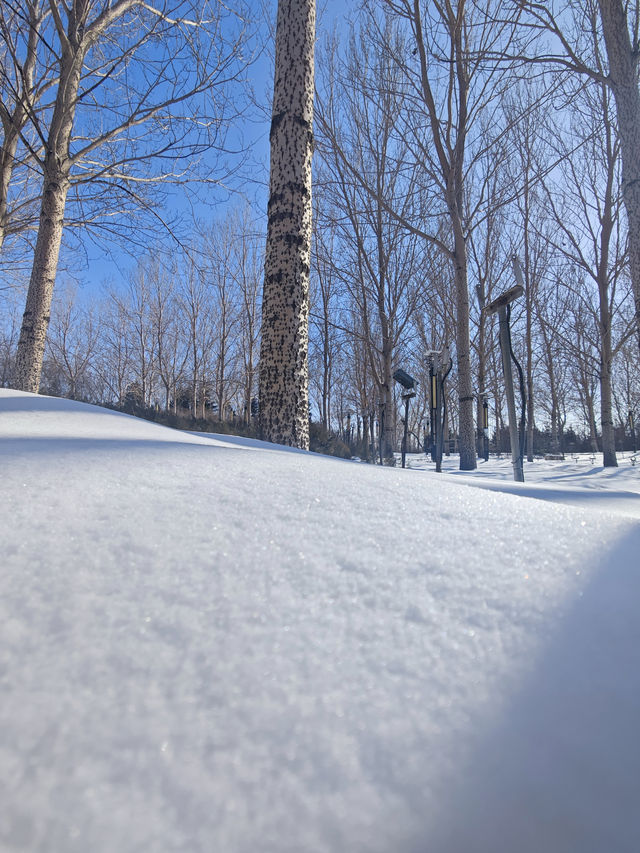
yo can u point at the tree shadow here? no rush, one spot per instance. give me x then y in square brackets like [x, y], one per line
[619, 500]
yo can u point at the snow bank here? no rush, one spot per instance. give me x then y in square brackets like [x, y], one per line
[211, 646]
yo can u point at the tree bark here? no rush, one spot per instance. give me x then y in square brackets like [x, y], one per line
[35, 321]
[57, 165]
[284, 379]
[466, 437]
[622, 57]
[13, 123]
[609, 459]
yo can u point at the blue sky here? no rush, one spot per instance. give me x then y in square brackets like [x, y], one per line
[109, 262]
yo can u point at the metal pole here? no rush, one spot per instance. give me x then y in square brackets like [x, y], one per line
[406, 428]
[438, 419]
[505, 349]
[434, 409]
[485, 428]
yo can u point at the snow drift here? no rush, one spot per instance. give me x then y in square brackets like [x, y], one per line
[217, 645]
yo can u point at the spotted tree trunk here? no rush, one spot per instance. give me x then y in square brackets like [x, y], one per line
[284, 391]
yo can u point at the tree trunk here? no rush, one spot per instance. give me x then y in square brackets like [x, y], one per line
[593, 435]
[529, 292]
[609, 459]
[624, 84]
[466, 437]
[284, 374]
[55, 187]
[13, 124]
[7, 159]
[386, 392]
[555, 418]
[35, 321]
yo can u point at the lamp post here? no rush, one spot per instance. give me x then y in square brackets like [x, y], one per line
[485, 427]
[440, 364]
[408, 383]
[499, 306]
[434, 400]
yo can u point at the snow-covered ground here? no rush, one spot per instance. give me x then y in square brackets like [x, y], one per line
[209, 644]
[579, 479]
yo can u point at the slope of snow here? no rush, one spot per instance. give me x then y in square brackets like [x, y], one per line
[208, 645]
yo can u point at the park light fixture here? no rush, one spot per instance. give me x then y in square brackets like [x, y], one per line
[499, 306]
[409, 384]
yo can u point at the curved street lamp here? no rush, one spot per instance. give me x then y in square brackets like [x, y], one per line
[499, 306]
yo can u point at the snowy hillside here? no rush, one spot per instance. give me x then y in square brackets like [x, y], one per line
[208, 645]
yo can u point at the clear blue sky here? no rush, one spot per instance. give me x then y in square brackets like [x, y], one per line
[110, 261]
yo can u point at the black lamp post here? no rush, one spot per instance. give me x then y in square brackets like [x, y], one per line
[408, 383]
[485, 428]
[499, 306]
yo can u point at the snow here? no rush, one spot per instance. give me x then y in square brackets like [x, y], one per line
[212, 644]
[577, 480]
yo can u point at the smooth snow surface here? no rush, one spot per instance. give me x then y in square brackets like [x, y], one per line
[214, 645]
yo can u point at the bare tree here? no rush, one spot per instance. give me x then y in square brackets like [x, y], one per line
[225, 313]
[450, 83]
[9, 333]
[284, 376]
[378, 260]
[136, 307]
[621, 25]
[324, 316]
[585, 201]
[25, 76]
[115, 349]
[550, 311]
[170, 341]
[563, 30]
[200, 332]
[103, 130]
[246, 272]
[72, 345]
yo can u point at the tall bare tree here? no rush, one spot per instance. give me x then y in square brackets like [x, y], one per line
[134, 103]
[563, 30]
[72, 344]
[621, 28]
[284, 372]
[379, 259]
[25, 76]
[450, 83]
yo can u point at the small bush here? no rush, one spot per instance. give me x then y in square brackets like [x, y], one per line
[323, 441]
[184, 421]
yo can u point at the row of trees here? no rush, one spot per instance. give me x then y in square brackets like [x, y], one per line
[176, 336]
[450, 136]
[184, 337]
[104, 105]
[454, 136]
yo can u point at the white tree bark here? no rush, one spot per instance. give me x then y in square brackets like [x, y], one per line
[284, 381]
[35, 322]
[91, 41]
[18, 94]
